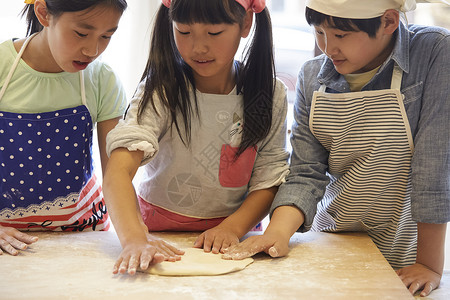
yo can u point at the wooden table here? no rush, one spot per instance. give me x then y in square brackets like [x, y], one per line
[319, 266]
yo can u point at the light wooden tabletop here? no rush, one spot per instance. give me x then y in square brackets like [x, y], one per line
[319, 266]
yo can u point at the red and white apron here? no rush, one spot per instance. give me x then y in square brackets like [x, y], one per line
[47, 180]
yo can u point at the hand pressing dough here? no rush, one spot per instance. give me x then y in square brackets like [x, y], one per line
[196, 262]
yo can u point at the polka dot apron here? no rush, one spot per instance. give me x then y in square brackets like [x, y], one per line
[46, 170]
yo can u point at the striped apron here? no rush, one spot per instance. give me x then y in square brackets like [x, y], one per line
[368, 137]
[46, 171]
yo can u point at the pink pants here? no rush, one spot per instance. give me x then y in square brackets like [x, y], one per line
[159, 219]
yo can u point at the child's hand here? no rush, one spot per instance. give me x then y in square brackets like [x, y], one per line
[417, 277]
[270, 244]
[12, 240]
[216, 239]
[142, 254]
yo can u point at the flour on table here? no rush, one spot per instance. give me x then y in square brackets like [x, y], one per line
[196, 262]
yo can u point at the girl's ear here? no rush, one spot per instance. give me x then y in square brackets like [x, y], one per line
[247, 24]
[41, 12]
[390, 21]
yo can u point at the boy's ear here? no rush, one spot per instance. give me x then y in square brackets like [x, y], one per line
[390, 21]
[41, 12]
[247, 25]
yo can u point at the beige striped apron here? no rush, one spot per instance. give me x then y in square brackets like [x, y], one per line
[370, 147]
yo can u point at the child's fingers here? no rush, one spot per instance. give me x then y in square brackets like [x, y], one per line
[427, 289]
[132, 265]
[405, 279]
[419, 277]
[169, 255]
[18, 244]
[208, 242]
[174, 249]
[278, 250]
[247, 248]
[199, 241]
[9, 233]
[169, 252]
[25, 238]
[6, 247]
[225, 244]
[117, 265]
[414, 287]
[273, 252]
[141, 256]
[123, 267]
[150, 257]
[217, 244]
[239, 255]
[145, 261]
[158, 258]
[12, 240]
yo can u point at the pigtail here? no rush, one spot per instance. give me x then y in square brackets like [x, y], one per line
[33, 24]
[167, 76]
[257, 83]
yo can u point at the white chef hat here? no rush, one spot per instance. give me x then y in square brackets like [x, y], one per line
[363, 9]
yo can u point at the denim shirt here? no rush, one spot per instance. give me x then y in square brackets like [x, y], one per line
[423, 53]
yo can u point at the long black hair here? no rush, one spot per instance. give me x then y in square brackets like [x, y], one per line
[58, 7]
[369, 26]
[170, 79]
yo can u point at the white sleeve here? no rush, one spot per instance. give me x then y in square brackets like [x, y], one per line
[142, 134]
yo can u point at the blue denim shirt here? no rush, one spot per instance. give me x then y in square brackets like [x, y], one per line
[423, 53]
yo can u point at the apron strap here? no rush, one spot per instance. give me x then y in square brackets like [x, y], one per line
[397, 75]
[14, 66]
[83, 89]
[16, 62]
[396, 81]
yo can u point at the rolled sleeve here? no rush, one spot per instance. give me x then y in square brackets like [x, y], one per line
[142, 135]
[133, 138]
[430, 166]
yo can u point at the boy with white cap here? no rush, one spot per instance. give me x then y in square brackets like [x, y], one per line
[371, 139]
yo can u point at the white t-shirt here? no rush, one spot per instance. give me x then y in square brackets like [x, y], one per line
[200, 181]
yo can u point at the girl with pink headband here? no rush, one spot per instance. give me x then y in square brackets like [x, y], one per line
[210, 132]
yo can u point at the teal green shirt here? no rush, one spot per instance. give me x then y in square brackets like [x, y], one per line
[30, 91]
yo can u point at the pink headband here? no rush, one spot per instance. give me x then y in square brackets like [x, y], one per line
[256, 5]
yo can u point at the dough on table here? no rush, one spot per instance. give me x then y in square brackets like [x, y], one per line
[196, 262]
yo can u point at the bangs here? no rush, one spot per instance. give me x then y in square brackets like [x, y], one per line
[316, 18]
[207, 12]
[370, 26]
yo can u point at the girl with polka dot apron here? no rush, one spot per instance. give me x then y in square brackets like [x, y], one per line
[46, 171]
